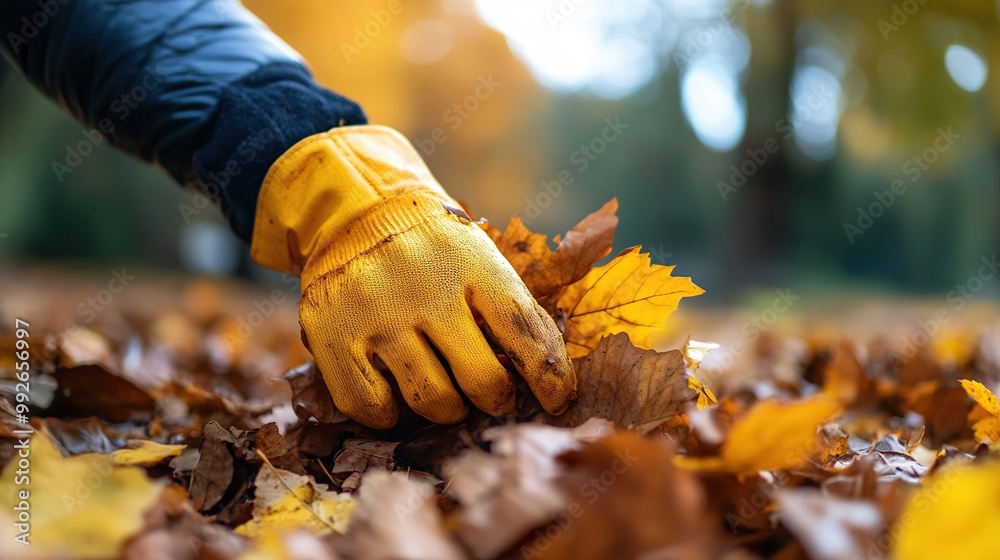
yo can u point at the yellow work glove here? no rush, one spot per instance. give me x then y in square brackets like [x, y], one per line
[391, 269]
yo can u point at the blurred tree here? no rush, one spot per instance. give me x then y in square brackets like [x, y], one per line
[441, 77]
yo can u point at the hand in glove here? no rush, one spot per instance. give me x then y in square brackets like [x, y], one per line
[392, 270]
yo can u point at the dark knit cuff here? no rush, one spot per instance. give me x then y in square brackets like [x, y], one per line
[258, 118]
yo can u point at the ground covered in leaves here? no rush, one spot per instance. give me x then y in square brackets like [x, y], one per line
[175, 419]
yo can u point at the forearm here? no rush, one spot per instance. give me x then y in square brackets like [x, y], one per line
[200, 88]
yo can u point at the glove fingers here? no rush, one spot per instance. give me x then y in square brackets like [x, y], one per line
[474, 364]
[359, 390]
[422, 379]
[531, 341]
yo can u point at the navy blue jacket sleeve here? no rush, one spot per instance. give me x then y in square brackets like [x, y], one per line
[200, 88]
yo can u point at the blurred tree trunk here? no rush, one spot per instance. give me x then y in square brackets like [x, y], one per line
[759, 232]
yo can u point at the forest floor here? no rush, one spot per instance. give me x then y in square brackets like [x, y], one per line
[175, 418]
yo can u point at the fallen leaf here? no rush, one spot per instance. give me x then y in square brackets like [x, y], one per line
[695, 351]
[213, 474]
[706, 397]
[634, 388]
[145, 453]
[944, 408]
[91, 390]
[83, 346]
[359, 455]
[291, 544]
[830, 528]
[955, 514]
[626, 500]
[285, 500]
[396, 518]
[84, 435]
[506, 493]
[547, 273]
[770, 436]
[987, 429]
[894, 464]
[82, 505]
[844, 379]
[268, 441]
[627, 295]
[311, 397]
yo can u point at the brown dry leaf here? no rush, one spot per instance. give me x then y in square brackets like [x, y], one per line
[987, 429]
[361, 455]
[311, 397]
[506, 493]
[634, 388]
[91, 390]
[545, 272]
[268, 441]
[943, 407]
[830, 528]
[627, 500]
[285, 500]
[80, 507]
[844, 379]
[213, 474]
[396, 518]
[626, 295]
[145, 453]
[770, 436]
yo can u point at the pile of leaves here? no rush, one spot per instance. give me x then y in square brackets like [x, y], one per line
[186, 434]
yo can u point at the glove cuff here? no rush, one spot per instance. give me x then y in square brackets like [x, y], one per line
[315, 192]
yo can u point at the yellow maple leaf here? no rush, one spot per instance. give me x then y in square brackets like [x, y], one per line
[987, 430]
[955, 514]
[770, 436]
[83, 506]
[145, 453]
[285, 500]
[628, 294]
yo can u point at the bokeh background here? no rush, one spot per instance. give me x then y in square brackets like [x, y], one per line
[739, 137]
